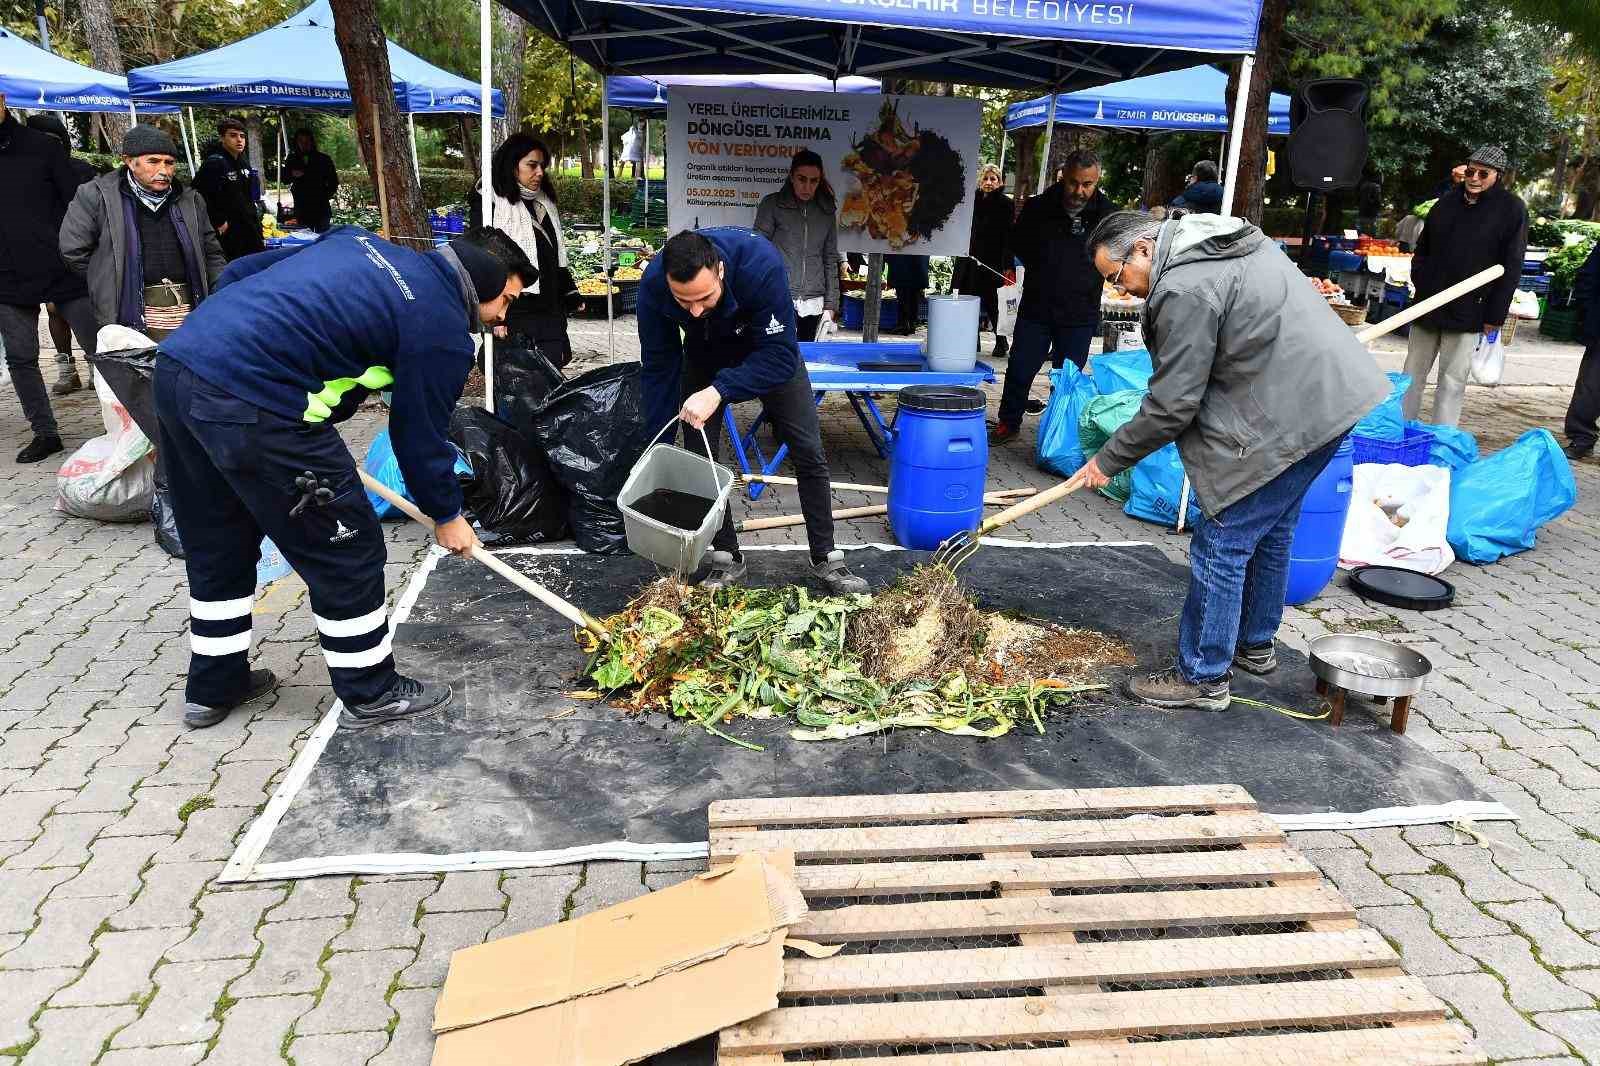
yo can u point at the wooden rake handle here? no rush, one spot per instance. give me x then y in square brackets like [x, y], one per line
[1027, 507]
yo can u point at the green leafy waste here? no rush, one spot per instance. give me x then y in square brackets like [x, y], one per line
[919, 655]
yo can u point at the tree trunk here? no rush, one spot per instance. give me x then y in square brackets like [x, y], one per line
[510, 56]
[469, 145]
[1028, 140]
[1252, 176]
[1161, 178]
[100, 28]
[253, 150]
[380, 127]
[1558, 181]
[585, 159]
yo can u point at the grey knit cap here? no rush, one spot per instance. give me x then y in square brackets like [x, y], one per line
[1492, 156]
[148, 140]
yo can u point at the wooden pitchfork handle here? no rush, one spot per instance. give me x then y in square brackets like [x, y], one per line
[576, 615]
[1026, 507]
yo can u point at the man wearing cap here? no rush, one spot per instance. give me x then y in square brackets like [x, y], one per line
[142, 240]
[1471, 228]
[67, 380]
[248, 392]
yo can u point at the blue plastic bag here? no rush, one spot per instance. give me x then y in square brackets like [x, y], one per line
[1115, 371]
[1157, 488]
[1386, 421]
[384, 468]
[271, 565]
[1452, 448]
[1498, 504]
[1057, 447]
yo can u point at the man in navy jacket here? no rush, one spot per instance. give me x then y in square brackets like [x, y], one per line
[249, 390]
[1584, 410]
[716, 326]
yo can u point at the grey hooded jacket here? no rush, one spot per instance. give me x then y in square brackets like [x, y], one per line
[1253, 370]
[807, 236]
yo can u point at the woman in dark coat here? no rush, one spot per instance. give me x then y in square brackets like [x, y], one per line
[313, 180]
[908, 277]
[980, 273]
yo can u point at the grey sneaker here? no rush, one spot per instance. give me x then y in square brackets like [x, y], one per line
[405, 699]
[1171, 690]
[833, 573]
[199, 716]
[66, 383]
[723, 571]
[1257, 661]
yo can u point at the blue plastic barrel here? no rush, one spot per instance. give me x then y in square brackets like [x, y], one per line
[1314, 555]
[939, 465]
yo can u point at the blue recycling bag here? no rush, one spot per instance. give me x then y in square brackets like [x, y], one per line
[1157, 488]
[1057, 448]
[1116, 371]
[1498, 504]
[1386, 421]
[384, 468]
[1452, 448]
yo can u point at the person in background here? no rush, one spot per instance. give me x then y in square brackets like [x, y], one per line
[67, 379]
[1258, 382]
[228, 185]
[982, 270]
[1369, 201]
[142, 240]
[1584, 410]
[37, 182]
[800, 220]
[1060, 309]
[908, 277]
[1202, 195]
[313, 180]
[524, 208]
[1457, 178]
[1467, 231]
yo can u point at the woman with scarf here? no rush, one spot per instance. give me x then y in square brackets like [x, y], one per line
[524, 207]
[800, 221]
[979, 273]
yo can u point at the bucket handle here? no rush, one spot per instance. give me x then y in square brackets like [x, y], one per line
[711, 460]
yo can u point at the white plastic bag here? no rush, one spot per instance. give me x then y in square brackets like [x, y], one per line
[1488, 359]
[112, 477]
[827, 327]
[1525, 304]
[1398, 517]
[1008, 298]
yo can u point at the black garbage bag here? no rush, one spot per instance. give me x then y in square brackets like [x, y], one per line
[592, 432]
[523, 378]
[511, 493]
[161, 515]
[130, 372]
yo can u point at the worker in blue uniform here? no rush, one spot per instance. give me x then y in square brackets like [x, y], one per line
[717, 326]
[249, 391]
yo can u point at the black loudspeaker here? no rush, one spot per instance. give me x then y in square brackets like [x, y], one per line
[1328, 134]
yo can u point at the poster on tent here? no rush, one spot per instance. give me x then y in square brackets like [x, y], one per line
[903, 168]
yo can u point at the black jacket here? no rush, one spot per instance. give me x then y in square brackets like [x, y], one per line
[313, 189]
[1060, 286]
[1586, 297]
[37, 182]
[992, 213]
[1461, 239]
[227, 185]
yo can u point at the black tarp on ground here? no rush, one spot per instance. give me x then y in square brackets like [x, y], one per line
[493, 772]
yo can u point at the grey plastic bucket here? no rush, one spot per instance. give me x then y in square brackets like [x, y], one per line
[667, 466]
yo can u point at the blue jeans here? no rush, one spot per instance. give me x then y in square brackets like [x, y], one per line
[1031, 344]
[1239, 571]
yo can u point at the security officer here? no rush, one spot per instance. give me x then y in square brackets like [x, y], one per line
[716, 326]
[248, 391]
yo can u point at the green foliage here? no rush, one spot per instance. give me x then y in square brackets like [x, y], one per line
[1565, 262]
[440, 187]
[1557, 233]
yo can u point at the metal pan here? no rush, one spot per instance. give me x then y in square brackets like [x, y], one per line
[1369, 665]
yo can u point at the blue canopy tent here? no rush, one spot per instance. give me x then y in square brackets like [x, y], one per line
[649, 92]
[36, 80]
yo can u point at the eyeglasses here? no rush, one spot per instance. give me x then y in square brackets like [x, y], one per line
[1115, 280]
[1478, 172]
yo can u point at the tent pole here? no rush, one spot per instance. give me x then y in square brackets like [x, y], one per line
[183, 135]
[1236, 142]
[282, 138]
[194, 135]
[485, 187]
[1003, 139]
[416, 165]
[646, 158]
[605, 214]
[1044, 145]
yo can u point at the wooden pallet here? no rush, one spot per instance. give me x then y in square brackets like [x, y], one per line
[1232, 949]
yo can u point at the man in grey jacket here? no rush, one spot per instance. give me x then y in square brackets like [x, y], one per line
[143, 241]
[1258, 381]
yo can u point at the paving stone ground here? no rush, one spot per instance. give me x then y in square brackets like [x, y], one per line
[117, 948]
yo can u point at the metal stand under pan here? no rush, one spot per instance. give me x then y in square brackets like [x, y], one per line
[1369, 666]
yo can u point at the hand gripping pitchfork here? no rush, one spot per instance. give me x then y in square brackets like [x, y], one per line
[964, 545]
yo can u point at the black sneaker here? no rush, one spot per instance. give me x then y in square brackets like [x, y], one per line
[1575, 452]
[405, 699]
[40, 448]
[1002, 348]
[199, 716]
[1257, 661]
[1035, 406]
[1171, 690]
[833, 573]
[724, 571]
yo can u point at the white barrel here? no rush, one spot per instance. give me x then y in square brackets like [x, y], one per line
[952, 334]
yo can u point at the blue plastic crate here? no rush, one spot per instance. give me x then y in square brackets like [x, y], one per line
[1411, 450]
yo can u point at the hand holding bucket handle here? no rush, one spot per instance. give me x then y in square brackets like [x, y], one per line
[716, 483]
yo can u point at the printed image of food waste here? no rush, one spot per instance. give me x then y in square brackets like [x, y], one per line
[906, 185]
[917, 655]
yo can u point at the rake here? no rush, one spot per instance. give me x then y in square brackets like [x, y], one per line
[964, 545]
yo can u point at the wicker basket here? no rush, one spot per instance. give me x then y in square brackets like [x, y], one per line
[1352, 314]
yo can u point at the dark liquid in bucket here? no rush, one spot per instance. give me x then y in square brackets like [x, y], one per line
[682, 510]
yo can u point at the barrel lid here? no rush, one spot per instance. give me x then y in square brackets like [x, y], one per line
[942, 398]
[1407, 589]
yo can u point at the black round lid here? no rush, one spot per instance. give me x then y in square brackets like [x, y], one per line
[943, 398]
[1394, 587]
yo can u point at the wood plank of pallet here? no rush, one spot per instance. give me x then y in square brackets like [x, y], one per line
[1431, 1044]
[951, 806]
[1035, 967]
[909, 841]
[1056, 914]
[1073, 871]
[1183, 1011]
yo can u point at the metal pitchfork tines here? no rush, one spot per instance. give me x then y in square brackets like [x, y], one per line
[957, 549]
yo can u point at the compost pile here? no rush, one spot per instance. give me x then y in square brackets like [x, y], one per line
[917, 655]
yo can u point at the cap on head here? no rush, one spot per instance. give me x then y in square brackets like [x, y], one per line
[487, 272]
[51, 125]
[1492, 156]
[148, 140]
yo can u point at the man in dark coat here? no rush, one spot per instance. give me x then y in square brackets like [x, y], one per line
[1584, 410]
[67, 380]
[1060, 310]
[312, 181]
[36, 184]
[228, 185]
[1203, 194]
[1470, 229]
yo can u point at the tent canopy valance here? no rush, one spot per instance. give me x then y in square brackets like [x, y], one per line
[1191, 99]
[34, 79]
[649, 92]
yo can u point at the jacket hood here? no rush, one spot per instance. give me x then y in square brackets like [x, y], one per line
[1196, 237]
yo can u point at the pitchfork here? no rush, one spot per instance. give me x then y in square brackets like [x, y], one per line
[964, 545]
